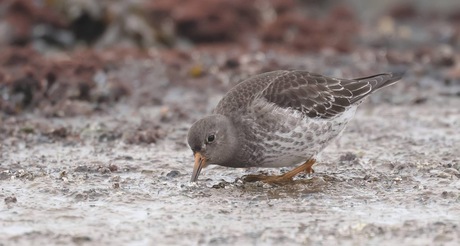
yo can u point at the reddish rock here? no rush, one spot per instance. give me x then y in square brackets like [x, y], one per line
[336, 31]
[403, 11]
[207, 20]
[32, 80]
[23, 15]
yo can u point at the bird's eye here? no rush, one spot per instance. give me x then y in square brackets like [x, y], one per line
[211, 138]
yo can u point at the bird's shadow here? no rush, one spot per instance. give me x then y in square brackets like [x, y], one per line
[299, 187]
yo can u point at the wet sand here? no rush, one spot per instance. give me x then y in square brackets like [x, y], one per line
[393, 176]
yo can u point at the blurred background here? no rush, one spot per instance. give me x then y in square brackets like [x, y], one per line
[97, 96]
[65, 52]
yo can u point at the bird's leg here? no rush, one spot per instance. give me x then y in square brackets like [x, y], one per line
[309, 169]
[284, 177]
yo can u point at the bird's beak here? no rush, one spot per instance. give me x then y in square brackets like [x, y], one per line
[200, 162]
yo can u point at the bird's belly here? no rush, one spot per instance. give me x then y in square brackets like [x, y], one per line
[296, 140]
[277, 153]
[283, 160]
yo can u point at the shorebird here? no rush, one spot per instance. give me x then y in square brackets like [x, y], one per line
[279, 119]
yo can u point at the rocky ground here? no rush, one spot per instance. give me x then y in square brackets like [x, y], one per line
[93, 141]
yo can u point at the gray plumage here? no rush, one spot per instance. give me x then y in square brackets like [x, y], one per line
[313, 94]
[281, 118]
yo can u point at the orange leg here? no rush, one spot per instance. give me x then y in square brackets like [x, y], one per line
[284, 178]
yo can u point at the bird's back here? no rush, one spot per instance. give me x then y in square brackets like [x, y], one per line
[313, 95]
[240, 97]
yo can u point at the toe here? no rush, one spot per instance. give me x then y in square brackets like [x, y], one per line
[309, 170]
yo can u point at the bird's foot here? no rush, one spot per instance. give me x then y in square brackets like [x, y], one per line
[285, 178]
[276, 179]
[309, 170]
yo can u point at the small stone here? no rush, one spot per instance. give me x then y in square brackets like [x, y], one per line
[445, 194]
[81, 239]
[125, 157]
[113, 168]
[5, 175]
[440, 174]
[10, 199]
[62, 174]
[116, 179]
[232, 63]
[452, 171]
[81, 197]
[103, 170]
[173, 174]
[81, 168]
[59, 133]
[442, 238]
[348, 157]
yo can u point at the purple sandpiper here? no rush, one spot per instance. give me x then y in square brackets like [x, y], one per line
[279, 119]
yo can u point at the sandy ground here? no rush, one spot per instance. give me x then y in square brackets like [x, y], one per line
[393, 177]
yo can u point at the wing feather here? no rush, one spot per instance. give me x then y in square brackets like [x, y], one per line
[314, 95]
[321, 96]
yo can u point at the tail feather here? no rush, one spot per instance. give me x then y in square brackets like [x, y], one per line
[382, 80]
[362, 87]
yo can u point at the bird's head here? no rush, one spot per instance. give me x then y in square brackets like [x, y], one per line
[213, 140]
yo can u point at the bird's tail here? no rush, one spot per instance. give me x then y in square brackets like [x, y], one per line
[362, 87]
[382, 80]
